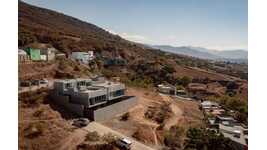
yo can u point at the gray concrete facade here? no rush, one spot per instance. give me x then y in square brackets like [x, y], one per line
[64, 102]
[96, 99]
[112, 110]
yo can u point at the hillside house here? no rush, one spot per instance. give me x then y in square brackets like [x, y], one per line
[48, 54]
[167, 89]
[237, 133]
[209, 105]
[82, 57]
[91, 55]
[23, 57]
[221, 119]
[60, 55]
[34, 54]
[114, 62]
[96, 98]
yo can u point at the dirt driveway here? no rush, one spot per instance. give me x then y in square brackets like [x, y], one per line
[101, 129]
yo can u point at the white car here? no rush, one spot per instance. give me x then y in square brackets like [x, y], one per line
[124, 143]
[43, 81]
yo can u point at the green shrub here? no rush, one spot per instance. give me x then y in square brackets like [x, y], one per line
[125, 116]
[92, 136]
[202, 139]
[174, 137]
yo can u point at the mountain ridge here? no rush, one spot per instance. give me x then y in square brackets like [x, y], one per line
[204, 53]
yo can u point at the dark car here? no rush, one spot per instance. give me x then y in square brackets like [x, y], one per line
[80, 122]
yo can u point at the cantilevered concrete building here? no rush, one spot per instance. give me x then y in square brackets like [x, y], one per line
[96, 99]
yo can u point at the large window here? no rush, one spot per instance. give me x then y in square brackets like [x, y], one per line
[81, 83]
[68, 85]
[98, 99]
[118, 93]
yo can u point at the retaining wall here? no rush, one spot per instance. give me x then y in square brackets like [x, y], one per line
[112, 110]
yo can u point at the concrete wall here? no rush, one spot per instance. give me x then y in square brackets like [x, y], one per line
[63, 101]
[111, 111]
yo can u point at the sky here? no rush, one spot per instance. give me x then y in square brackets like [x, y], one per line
[213, 24]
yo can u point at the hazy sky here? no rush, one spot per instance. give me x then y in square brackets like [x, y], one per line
[216, 24]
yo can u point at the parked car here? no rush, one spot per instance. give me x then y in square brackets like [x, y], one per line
[80, 122]
[35, 82]
[25, 83]
[43, 81]
[124, 143]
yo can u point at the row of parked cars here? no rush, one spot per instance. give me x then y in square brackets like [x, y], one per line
[28, 83]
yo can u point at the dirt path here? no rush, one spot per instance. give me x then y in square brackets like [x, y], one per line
[78, 136]
[177, 112]
[155, 136]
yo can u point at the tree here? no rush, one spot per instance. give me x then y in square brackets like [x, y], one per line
[185, 80]
[203, 139]
[125, 116]
[174, 137]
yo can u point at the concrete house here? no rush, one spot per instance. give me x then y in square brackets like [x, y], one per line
[48, 54]
[96, 99]
[23, 57]
[237, 133]
[34, 54]
[209, 105]
[91, 55]
[221, 119]
[167, 89]
[83, 57]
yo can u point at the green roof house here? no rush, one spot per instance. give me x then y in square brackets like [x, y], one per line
[34, 53]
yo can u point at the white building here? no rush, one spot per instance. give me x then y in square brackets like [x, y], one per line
[83, 57]
[209, 105]
[237, 133]
[167, 89]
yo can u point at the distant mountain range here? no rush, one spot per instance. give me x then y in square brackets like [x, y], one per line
[203, 53]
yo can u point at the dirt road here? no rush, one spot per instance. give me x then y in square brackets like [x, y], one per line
[101, 129]
[78, 136]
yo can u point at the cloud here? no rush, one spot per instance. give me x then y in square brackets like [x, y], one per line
[135, 38]
[131, 37]
[112, 32]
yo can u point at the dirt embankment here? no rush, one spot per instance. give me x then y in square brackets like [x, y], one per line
[61, 68]
[41, 124]
[148, 130]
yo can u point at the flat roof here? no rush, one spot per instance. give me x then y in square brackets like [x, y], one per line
[91, 89]
[209, 103]
[106, 84]
[231, 131]
[72, 80]
[224, 117]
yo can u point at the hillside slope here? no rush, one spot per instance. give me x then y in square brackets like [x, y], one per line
[67, 34]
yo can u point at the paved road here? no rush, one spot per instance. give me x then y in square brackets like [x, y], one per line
[101, 129]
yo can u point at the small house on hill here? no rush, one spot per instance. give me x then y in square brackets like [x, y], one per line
[83, 57]
[34, 54]
[48, 54]
[23, 56]
[167, 89]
